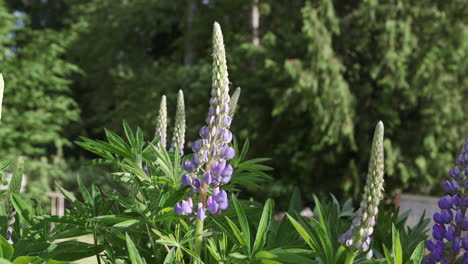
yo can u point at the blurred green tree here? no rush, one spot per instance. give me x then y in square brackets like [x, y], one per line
[37, 104]
[316, 76]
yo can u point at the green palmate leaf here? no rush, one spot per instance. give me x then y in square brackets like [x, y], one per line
[70, 197]
[139, 140]
[4, 164]
[418, 254]
[244, 224]
[397, 250]
[21, 208]
[293, 255]
[387, 254]
[263, 226]
[15, 183]
[129, 135]
[111, 219]
[230, 234]
[70, 251]
[170, 257]
[236, 232]
[303, 232]
[116, 141]
[128, 223]
[6, 250]
[134, 254]
[84, 192]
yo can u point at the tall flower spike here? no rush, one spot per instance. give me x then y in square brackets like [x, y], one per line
[161, 125]
[2, 85]
[209, 166]
[451, 222]
[178, 139]
[358, 237]
[234, 100]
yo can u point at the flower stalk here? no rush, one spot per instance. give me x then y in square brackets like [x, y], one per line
[451, 222]
[358, 236]
[161, 124]
[208, 169]
[178, 138]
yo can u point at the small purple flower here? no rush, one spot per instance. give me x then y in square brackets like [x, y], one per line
[188, 166]
[465, 242]
[227, 153]
[456, 245]
[201, 212]
[184, 207]
[207, 177]
[438, 231]
[450, 233]
[445, 202]
[221, 198]
[212, 205]
[197, 145]
[454, 172]
[186, 180]
[218, 167]
[195, 161]
[196, 183]
[451, 186]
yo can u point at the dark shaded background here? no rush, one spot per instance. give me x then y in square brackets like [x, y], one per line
[316, 77]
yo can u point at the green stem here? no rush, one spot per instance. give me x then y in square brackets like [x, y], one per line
[198, 240]
[95, 243]
[153, 245]
[350, 257]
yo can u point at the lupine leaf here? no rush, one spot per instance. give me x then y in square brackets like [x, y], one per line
[303, 233]
[263, 226]
[418, 254]
[244, 224]
[133, 251]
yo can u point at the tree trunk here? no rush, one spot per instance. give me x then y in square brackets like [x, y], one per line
[255, 22]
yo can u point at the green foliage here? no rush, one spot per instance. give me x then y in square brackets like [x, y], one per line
[409, 237]
[322, 231]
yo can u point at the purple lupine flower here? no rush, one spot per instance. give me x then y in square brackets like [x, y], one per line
[208, 167]
[451, 221]
[184, 207]
[201, 212]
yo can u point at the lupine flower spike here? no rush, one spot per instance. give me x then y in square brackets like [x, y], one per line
[233, 102]
[451, 223]
[358, 237]
[178, 139]
[161, 124]
[208, 169]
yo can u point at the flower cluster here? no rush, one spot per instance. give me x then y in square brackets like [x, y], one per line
[161, 125]
[208, 166]
[451, 223]
[357, 237]
[178, 138]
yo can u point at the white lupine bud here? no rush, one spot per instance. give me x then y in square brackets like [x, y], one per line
[364, 221]
[161, 124]
[178, 139]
